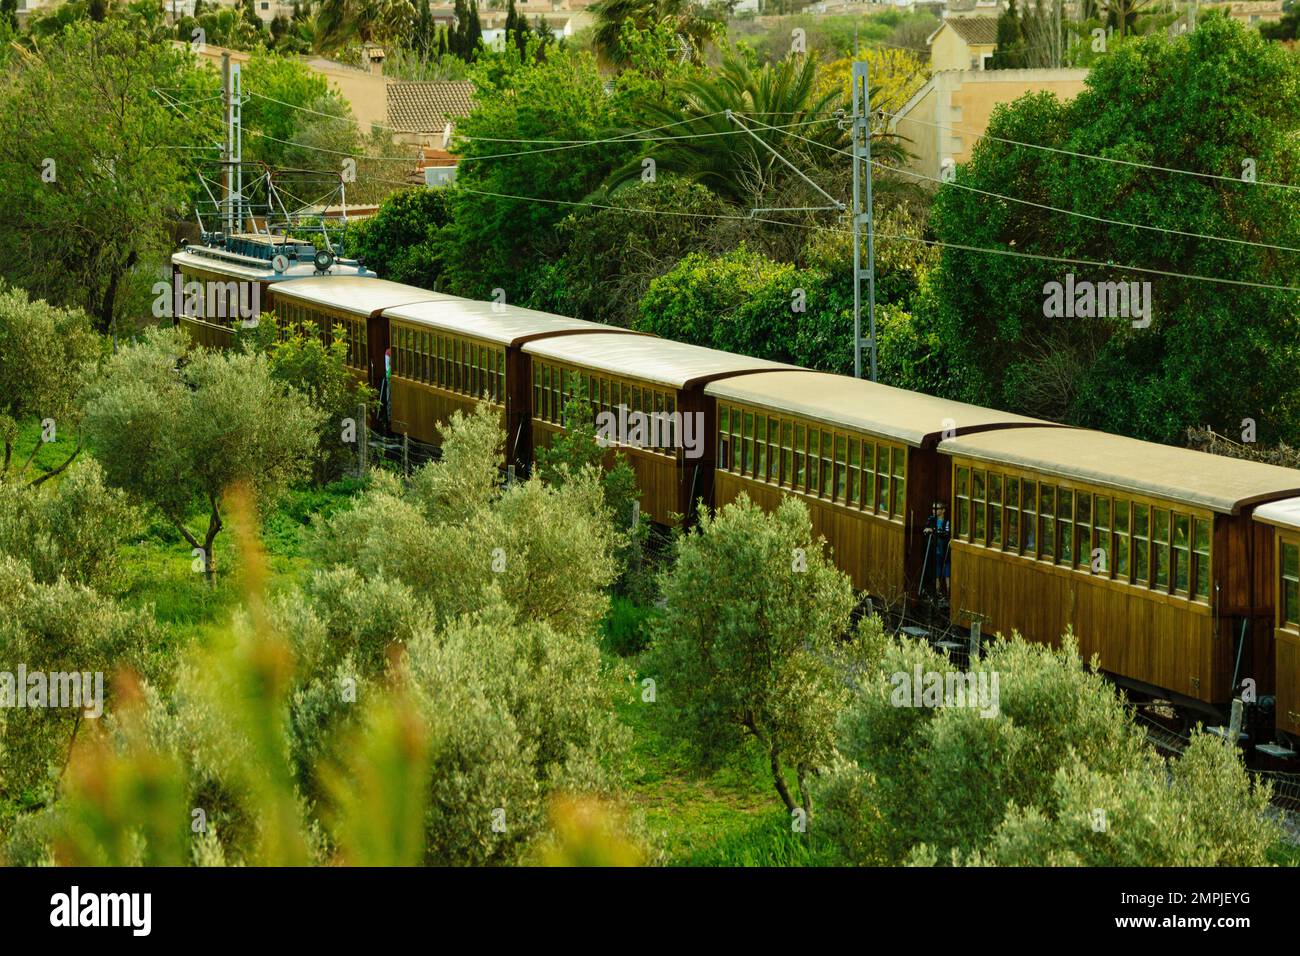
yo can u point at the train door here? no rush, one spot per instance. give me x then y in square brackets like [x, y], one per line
[378, 366]
[928, 481]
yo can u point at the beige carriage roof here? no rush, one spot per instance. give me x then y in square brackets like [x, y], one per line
[361, 295]
[1161, 471]
[911, 417]
[1281, 514]
[651, 359]
[497, 322]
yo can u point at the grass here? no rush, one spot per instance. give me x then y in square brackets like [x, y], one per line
[160, 565]
[729, 817]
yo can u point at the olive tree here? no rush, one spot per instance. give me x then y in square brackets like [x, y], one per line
[747, 645]
[44, 355]
[59, 633]
[176, 439]
[458, 538]
[73, 528]
[1018, 777]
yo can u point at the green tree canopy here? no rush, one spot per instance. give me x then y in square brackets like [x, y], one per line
[175, 440]
[1214, 352]
[746, 647]
[93, 163]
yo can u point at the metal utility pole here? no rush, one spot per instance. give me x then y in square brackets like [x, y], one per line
[237, 141]
[227, 146]
[860, 128]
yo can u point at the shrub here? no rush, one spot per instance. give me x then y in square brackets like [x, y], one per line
[74, 528]
[746, 646]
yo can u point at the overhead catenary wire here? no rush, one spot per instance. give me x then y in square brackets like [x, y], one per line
[938, 243]
[1092, 156]
[1048, 208]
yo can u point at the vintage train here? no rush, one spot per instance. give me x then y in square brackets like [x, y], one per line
[1178, 570]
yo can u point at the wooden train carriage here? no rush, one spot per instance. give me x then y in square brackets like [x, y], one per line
[448, 353]
[1282, 519]
[650, 392]
[351, 307]
[860, 455]
[1146, 551]
[230, 280]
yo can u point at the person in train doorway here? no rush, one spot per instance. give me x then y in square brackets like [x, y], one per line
[938, 531]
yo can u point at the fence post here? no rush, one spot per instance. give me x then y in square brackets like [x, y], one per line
[406, 456]
[1234, 724]
[973, 650]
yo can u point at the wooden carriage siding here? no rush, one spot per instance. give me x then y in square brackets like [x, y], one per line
[626, 369]
[860, 455]
[347, 306]
[1183, 570]
[555, 383]
[1282, 520]
[450, 352]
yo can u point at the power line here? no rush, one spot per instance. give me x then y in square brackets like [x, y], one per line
[1103, 159]
[1013, 253]
[1043, 206]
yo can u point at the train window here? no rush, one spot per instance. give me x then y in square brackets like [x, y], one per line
[961, 499]
[737, 443]
[1182, 553]
[1121, 539]
[828, 464]
[749, 442]
[800, 436]
[882, 479]
[760, 446]
[839, 455]
[724, 437]
[773, 450]
[1029, 494]
[1065, 525]
[1141, 544]
[868, 475]
[814, 449]
[537, 389]
[1101, 532]
[1083, 527]
[1160, 547]
[501, 375]
[855, 473]
[787, 452]
[1012, 496]
[978, 494]
[1047, 522]
[1290, 583]
[1201, 557]
[899, 481]
[995, 510]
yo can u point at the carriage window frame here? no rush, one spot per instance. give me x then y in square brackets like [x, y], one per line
[1288, 605]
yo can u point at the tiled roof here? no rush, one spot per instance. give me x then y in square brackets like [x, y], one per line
[427, 107]
[977, 31]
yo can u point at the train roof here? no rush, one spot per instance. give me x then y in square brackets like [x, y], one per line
[360, 295]
[1280, 514]
[911, 417]
[238, 266]
[496, 322]
[1181, 475]
[651, 359]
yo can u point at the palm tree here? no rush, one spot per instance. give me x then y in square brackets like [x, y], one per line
[713, 150]
[696, 22]
[339, 22]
